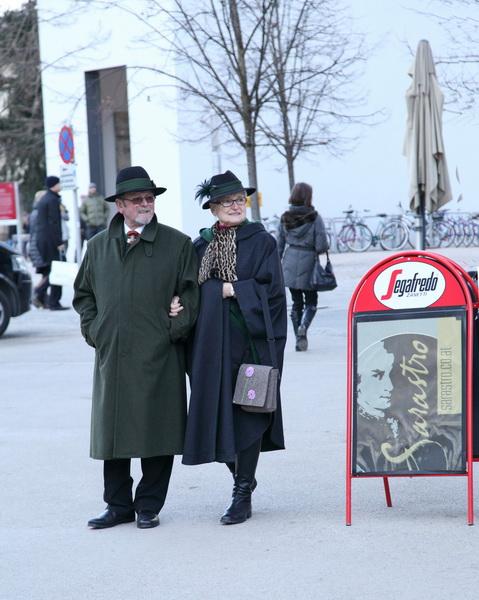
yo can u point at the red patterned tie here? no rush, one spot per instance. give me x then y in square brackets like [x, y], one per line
[132, 237]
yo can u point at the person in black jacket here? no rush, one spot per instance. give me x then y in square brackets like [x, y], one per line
[48, 236]
[239, 264]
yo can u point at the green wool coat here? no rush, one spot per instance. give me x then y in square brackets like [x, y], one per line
[123, 294]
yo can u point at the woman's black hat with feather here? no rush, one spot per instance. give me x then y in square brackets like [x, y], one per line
[220, 186]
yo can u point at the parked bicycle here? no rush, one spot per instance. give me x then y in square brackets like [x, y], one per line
[391, 233]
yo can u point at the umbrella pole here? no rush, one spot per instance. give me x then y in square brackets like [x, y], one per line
[421, 221]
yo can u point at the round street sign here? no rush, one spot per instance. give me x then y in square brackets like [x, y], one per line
[65, 143]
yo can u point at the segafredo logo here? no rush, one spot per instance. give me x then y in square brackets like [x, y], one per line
[409, 285]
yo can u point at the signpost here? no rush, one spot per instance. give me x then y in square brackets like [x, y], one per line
[66, 147]
[410, 353]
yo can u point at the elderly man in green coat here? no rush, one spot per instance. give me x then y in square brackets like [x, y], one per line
[137, 296]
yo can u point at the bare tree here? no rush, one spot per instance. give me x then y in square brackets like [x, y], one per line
[261, 73]
[22, 147]
[219, 49]
[460, 59]
[314, 58]
[22, 134]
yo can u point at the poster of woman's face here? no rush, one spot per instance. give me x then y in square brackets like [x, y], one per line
[408, 395]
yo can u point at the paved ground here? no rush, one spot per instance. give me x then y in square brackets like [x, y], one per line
[295, 546]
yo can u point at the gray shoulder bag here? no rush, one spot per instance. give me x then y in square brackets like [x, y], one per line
[257, 385]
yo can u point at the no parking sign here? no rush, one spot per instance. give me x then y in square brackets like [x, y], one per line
[66, 145]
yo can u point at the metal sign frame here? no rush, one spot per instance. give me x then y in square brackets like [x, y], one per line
[457, 292]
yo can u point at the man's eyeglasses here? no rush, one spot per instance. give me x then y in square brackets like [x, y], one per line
[149, 198]
[240, 201]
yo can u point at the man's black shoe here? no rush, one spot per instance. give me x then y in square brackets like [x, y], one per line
[110, 518]
[147, 519]
[59, 307]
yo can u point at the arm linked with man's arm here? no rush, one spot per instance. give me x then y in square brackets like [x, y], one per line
[188, 291]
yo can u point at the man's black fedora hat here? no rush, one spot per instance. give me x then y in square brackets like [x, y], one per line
[134, 179]
[220, 186]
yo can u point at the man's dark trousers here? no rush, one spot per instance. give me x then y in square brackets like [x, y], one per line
[151, 491]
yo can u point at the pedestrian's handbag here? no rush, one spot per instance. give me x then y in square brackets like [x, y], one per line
[323, 278]
[62, 272]
[257, 385]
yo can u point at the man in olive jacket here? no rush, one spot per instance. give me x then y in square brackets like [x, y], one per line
[137, 296]
[94, 212]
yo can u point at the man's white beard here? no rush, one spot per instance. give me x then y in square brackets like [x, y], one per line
[144, 218]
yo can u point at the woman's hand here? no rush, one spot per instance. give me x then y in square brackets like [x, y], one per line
[175, 306]
[228, 290]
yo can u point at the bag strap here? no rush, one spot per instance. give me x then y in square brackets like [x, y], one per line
[327, 257]
[269, 328]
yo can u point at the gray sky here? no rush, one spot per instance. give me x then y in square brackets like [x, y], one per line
[374, 175]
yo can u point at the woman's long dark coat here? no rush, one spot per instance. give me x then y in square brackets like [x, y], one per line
[216, 429]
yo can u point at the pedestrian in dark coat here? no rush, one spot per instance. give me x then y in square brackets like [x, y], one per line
[129, 276]
[301, 238]
[239, 262]
[33, 252]
[49, 243]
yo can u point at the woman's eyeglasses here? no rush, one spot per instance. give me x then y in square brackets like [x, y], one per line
[240, 201]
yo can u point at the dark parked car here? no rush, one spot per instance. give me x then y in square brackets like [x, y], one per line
[15, 286]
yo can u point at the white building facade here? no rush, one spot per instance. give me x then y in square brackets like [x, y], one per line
[98, 75]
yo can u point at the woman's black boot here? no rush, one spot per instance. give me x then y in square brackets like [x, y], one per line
[240, 508]
[232, 468]
[301, 338]
[296, 320]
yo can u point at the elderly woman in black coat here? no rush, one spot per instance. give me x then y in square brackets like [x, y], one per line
[302, 233]
[239, 265]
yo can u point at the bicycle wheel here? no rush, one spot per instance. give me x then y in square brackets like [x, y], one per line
[468, 233]
[393, 236]
[447, 234]
[357, 237]
[340, 244]
[475, 228]
[458, 234]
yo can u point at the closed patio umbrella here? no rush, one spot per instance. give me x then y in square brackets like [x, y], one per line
[429, 186]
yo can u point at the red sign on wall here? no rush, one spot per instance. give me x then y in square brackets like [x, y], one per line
[8, 210]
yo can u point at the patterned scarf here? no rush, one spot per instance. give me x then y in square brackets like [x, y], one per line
[219, 260]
